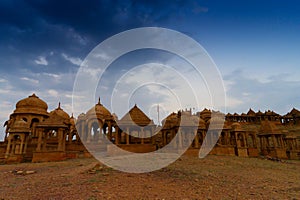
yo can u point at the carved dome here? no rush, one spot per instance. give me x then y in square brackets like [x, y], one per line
[170, 121]
[135, 116]
[31, 105]
[205, 114]
[251, 112]
[60, 112]
[100, 111]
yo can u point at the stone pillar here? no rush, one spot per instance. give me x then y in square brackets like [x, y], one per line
[44, 143]
[203, 133]
[152, 135]
[174, 139]
[142, 135]
[100, 135]
[13, 147]
[60, 139]
[8, 147]
[83, 132]
[164, 136]
[196, 139]
[274, 141]
[278, 141]
[25, 146]
[254, 141]
[260, 142]
[237, 141]
[282, 143]
[180, 137]
[21, 145]
[117, 135]
[245, 141]
[64, 135]
[39, 145]
[88, 140]
[127, 135]
[109, 132]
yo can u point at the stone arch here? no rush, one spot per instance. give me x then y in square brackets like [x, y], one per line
[251, 140]
[105, 128]
[52, 133]
[222, 138]
[95, 130]
[240, 139]
[34, 121]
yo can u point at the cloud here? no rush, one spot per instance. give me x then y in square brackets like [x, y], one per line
[73, 60]
[2, 80]
[4, 91]
[41, 61]
[53, 92]
[30, 80]
[56, 76]
[103, 56]
[276, 94]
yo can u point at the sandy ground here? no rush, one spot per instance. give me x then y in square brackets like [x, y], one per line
[214, 177]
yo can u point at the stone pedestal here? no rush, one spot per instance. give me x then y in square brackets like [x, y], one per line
[136, 148]
[242, 152]
[253, 152]
[280, 153]
[294, 154]
[217, 150]
[49, 156]
[14, 159]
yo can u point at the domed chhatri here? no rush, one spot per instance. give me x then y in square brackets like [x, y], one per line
[100, 111]
[32, 104]
[136, 116]
[60, 112]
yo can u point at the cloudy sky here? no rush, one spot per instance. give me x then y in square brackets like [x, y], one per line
[254, 44]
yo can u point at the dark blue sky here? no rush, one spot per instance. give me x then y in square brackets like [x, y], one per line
[255, 44]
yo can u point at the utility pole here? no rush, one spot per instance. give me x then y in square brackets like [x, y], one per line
[158, 114]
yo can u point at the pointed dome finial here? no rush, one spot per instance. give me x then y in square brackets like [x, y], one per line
[33, 95]
[59, 105]
[99, 100]
[72, 116]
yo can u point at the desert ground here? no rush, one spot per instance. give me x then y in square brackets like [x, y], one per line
[214, 177]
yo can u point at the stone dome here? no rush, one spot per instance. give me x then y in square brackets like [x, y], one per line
[170, 121]
[135, 116]
[251, 112]
[60, 112]
[100, 111]
[31, 105]
[205, 114]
